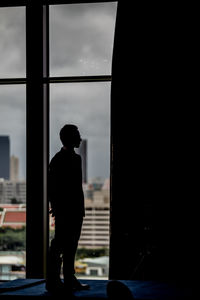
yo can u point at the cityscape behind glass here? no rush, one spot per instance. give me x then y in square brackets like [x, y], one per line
[81, 41]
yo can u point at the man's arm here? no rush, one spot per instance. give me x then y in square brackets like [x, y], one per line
[52, 187]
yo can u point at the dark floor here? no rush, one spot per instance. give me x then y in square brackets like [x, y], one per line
[150, 290]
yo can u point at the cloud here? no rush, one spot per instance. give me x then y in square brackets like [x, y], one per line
[81, 38]
[12, 42]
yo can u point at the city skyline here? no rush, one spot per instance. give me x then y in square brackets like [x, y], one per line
[13, 165]
[14, 169]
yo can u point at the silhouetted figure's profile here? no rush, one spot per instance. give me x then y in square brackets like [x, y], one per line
[67, 205]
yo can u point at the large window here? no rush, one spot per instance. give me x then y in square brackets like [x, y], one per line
[12, 143]
[81, 42]
[88, 106]
[79, 48]
[81, 39]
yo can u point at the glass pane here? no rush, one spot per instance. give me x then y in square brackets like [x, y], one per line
[87, 105]
[12, 45]
[12, 182]
[81, 39]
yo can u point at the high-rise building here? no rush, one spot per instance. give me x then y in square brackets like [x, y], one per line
[95, 229]
[82, 150]
[14, 168]
[4, 157]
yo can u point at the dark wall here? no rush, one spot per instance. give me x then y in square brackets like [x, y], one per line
[154, 139]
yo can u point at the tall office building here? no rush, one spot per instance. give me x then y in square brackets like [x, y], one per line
[82, 150]
[4, 157]
[14, 168]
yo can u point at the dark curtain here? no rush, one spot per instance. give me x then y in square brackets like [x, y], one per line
[154, 146]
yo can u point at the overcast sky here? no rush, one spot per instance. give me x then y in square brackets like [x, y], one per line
[81, 42]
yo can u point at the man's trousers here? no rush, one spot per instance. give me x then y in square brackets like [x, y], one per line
[63, 249]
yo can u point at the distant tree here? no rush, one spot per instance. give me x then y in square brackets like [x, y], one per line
[83, 252]
[12, 239]
[14, 201]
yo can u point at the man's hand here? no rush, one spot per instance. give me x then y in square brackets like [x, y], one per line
[51, 211]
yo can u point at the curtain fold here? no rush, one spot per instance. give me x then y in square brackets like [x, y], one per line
[151, 150]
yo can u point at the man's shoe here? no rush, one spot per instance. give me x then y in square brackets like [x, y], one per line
[76, 285]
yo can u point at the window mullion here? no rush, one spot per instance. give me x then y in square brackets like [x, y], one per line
[4, 81]
[71, 79]
[37, 140]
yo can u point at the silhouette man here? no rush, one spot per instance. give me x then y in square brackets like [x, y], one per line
[67, 206]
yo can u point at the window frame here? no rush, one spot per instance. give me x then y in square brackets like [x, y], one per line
[37, 80]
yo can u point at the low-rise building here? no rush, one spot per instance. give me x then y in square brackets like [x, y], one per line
[95, 229]
[12, 265]
[97, 266]
[13, 216]
[12, 191]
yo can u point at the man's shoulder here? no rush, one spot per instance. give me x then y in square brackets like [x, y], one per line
[56, 157]
[63, 156]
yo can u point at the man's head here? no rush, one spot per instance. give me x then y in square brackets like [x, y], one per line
[70, 136]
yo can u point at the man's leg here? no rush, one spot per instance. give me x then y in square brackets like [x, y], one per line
[53, 266]
[69, 257]
[69, 252]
